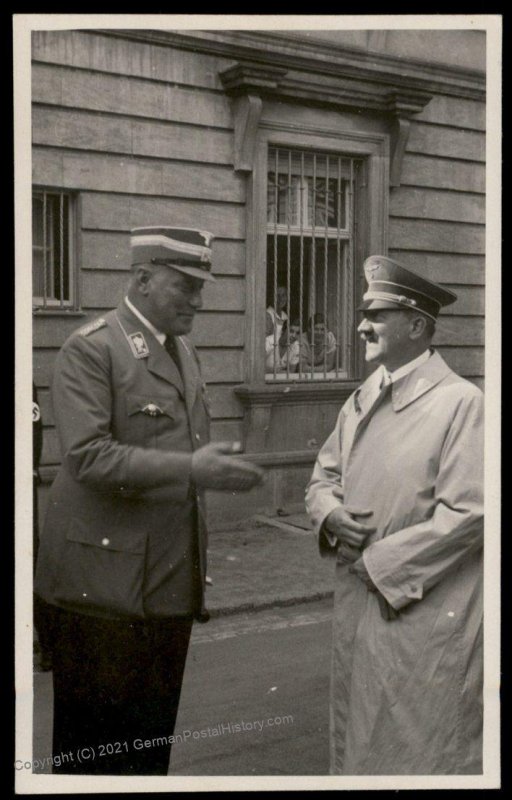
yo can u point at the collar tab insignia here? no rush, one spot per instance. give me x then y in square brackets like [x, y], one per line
[138, 344]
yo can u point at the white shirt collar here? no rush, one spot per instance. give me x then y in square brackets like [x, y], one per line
[401, 372]
[159, 336]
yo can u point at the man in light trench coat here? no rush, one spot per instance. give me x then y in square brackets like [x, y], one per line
[396, 498]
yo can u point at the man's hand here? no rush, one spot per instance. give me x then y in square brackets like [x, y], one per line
[359, 568]
[342, 523]
[215, 467]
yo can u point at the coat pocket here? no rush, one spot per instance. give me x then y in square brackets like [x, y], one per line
[101, 572]
[149, 417]
[150, 406]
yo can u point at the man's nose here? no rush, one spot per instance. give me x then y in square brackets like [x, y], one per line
[364, 326]
[196, 299]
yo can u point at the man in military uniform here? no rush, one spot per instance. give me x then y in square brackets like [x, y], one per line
[396, 499]
[41, 643]
[122, 555]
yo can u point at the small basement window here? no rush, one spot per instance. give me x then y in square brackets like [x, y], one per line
[53, 239]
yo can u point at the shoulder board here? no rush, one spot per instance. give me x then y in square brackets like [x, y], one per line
[92, 326]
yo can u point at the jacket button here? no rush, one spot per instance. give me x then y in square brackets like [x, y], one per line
[105, 541]
[198, 437]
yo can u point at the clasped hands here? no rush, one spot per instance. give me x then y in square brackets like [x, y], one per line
[351, 535]
[350, 532]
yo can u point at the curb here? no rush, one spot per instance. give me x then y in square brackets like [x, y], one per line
[224, 611]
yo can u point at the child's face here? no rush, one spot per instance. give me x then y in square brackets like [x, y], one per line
[319, 329]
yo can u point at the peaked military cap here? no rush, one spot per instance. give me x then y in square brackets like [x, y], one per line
[184, 249]
[391, 285]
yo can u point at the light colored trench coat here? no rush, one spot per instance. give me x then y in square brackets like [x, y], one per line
[407, 692]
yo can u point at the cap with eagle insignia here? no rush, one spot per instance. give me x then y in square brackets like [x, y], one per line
[184, 249]
[92, 326]
[391, 285]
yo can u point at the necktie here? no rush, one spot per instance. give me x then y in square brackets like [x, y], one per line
[170, 346]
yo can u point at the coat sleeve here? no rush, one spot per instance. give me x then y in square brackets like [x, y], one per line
[82, 400]
[326, 477]
[409, 562]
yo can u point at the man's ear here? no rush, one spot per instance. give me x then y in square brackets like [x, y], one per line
[418, 326]
[141, 277]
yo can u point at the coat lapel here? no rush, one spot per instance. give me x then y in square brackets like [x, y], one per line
[161, 364]
[157, 359]
[419, 381]
[405, 391]
[364, 402]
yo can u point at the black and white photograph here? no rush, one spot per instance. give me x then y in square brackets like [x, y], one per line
[255, 260]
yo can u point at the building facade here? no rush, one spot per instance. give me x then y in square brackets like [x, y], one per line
[303, 153]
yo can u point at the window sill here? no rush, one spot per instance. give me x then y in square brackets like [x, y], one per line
[296, 392]
[57, 312]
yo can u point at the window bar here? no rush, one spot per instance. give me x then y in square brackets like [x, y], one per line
[61, 249]
[288, 265]
[346, 270]
[326, 250]
[301, 264]
[45, 255]
[350, 267]
[313, 274]
[51, 247]
[70, 232]
[338, 269]
[275, 343]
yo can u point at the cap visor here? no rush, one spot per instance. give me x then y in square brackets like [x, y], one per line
[380, 305]
[194, 272]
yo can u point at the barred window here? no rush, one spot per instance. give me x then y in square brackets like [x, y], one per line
[53, 263]
[311, 229]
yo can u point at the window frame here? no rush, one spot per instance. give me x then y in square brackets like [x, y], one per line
[373, 147]
[53, 305]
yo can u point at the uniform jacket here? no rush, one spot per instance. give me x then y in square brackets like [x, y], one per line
[406, 692]
[124, 524]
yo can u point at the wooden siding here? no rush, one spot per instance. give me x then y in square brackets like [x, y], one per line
[437, 219]
[144, 134]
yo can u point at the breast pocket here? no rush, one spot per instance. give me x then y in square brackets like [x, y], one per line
[149, 417]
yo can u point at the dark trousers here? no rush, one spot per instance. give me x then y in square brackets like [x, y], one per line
[116, 690]
[39, 608]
